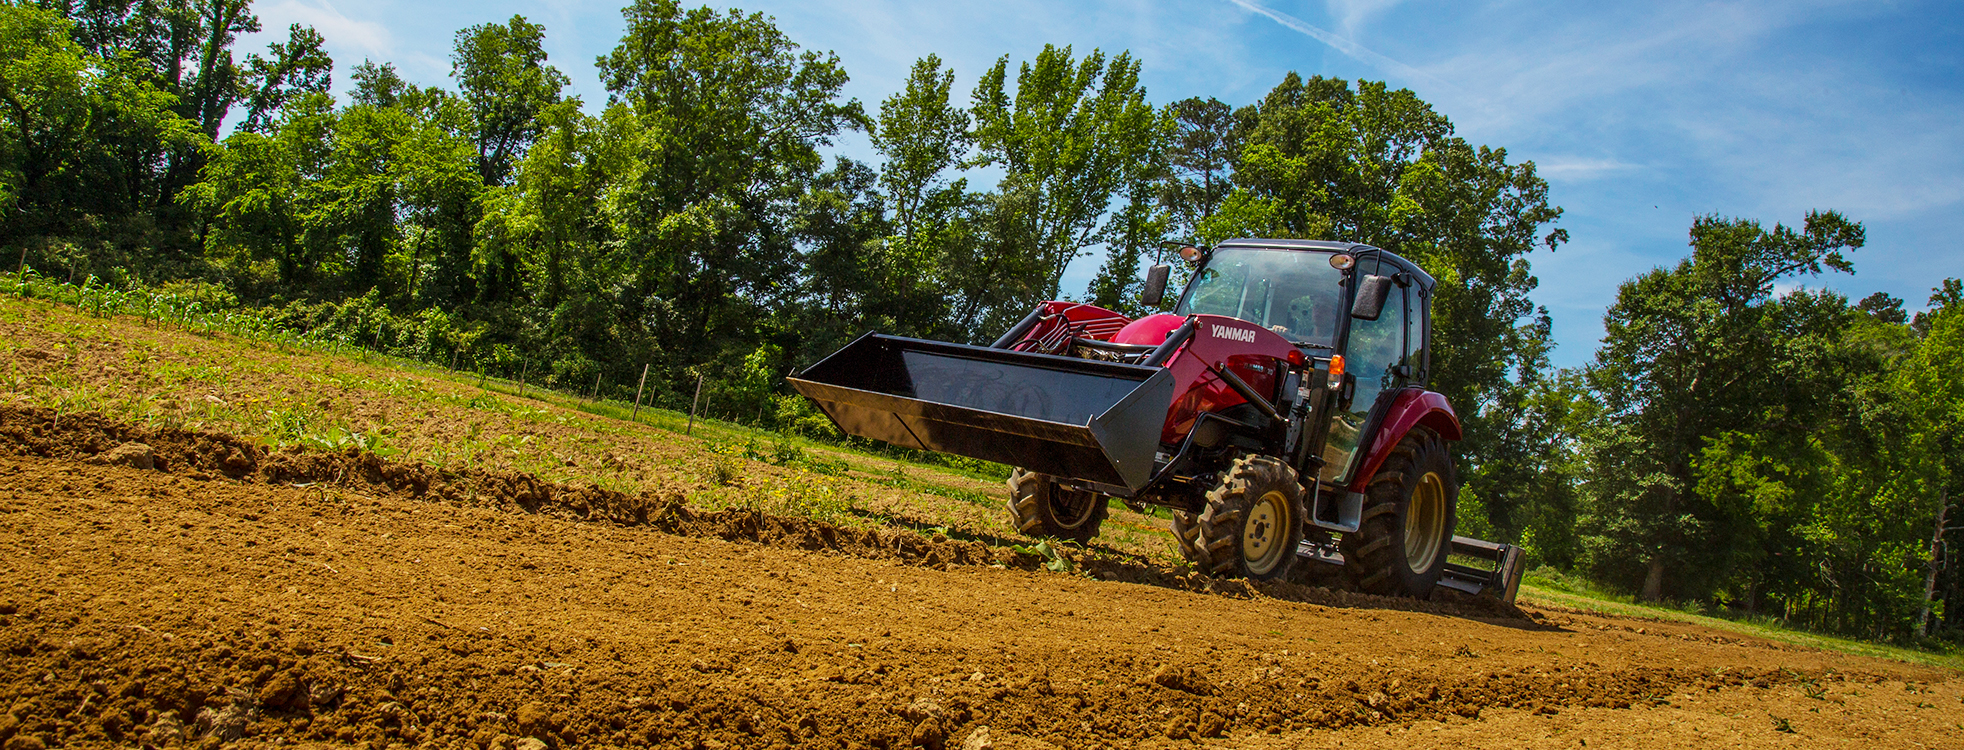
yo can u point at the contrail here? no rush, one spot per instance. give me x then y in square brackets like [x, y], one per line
[1352, 49]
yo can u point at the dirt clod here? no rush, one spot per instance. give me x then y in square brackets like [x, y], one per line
[533, 720]
[132, 455]
[978, 740]
[1183, 679]
[1177, 728]
[1211, 724]
[928, 734]
[283, 691]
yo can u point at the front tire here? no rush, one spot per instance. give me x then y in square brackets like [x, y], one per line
[1039, 507]
[1251, 524]
[1401, 546]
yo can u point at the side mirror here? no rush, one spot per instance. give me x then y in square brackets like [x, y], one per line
[1155, 284]
[1371, 293]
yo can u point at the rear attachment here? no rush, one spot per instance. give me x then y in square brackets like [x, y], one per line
[1063, 416]
[1502, 582]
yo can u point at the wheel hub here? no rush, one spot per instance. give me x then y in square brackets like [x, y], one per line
[1425, 523]
[1072, 507]
[1261, 537]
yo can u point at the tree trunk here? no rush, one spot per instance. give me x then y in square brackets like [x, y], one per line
[1653, 582]
[1936, 561]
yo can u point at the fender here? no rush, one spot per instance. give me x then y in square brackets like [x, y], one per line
[1412, 407]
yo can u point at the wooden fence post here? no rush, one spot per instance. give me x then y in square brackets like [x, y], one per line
[636, 416]
[692, 406]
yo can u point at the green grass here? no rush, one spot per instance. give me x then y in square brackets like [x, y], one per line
[809, 485]
[1568, 594]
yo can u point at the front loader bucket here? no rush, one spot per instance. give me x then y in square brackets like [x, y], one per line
[1063, 416]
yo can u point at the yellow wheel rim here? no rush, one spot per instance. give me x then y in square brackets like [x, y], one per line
[1263, 536]
[1425, 523]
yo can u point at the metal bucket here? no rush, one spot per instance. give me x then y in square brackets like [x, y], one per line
[1063, 416]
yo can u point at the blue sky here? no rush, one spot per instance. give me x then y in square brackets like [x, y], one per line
[1640, 115]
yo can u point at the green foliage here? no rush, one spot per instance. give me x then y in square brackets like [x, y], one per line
[72, 121]
[1051, 551]
[297, 67]
[1074, 133]
[1769, 454]
[502, 76]
[1202, 152]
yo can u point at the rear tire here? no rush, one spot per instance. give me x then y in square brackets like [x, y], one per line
[1039, 507]
[1401, 546]
[1251, 525]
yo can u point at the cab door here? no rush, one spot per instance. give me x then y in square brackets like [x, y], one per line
[1377, 362]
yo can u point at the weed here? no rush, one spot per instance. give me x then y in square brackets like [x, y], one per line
[1052, 552]
[809, 496]
[338, 439]
[488, 402]
[1782, 725]
[725, 471]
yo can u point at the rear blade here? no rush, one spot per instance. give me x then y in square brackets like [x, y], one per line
[1502, 582]
[1068, 417]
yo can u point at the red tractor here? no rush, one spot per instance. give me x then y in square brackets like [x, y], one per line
[1280, 412]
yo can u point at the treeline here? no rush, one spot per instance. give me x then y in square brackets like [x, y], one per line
[1791, 455]
[693, 222]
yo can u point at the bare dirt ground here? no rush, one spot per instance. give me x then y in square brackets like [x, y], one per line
[231, 593]
[181, 566]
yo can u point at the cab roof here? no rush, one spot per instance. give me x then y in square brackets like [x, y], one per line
[1365, 254]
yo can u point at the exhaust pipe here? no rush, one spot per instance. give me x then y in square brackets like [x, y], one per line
[1074, 418]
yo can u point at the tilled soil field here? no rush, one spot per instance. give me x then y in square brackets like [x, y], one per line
[173, 587]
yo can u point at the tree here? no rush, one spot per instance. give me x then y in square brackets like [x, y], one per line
[1935, 395]
[1132, 236]
[1069, 140]
[1202, 153]
[80, 136]
[1684, 361]
[921, 136]
[501, 72]
[727, 116]
[297, 67]
[439, 191]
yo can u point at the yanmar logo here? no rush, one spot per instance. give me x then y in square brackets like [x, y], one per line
[1242, 335]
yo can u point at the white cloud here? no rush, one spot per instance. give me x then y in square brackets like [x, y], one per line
[1337, 42]
[370, 38]
[1575, 169]
[1353, 14]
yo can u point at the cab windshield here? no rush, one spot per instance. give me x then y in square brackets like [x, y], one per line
[1292, 292]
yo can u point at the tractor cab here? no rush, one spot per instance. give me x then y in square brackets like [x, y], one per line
[1306, 291]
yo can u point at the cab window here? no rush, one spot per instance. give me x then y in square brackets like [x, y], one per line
[1295, 293]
